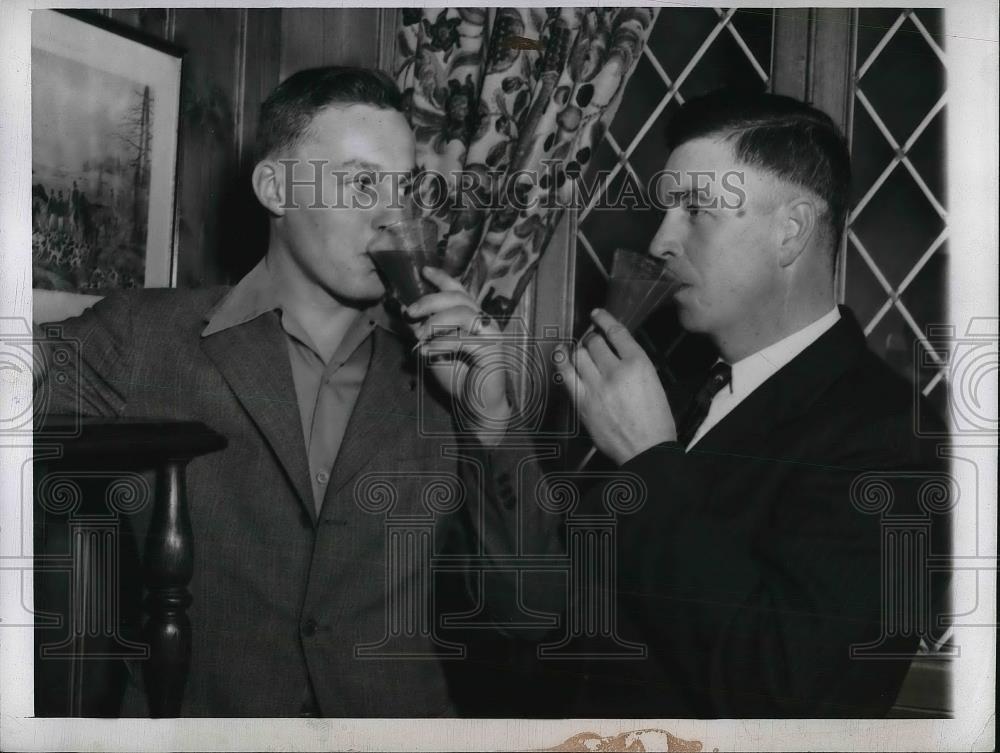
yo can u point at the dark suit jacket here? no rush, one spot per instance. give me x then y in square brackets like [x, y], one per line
[281, 598]
[752, 568]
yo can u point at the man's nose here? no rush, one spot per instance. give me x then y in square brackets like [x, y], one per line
[666, 242]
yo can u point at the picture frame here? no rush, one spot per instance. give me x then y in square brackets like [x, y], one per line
[105, 110]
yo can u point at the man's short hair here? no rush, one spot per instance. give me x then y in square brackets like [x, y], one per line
[779, 135]
[289, 110]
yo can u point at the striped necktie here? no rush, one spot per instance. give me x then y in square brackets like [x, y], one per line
[720, 376]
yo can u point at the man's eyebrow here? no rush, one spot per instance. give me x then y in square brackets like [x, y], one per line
[684, 194]
[691, 195]
[363, 164]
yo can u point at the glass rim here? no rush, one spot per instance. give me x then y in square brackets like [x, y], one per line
[406, 221]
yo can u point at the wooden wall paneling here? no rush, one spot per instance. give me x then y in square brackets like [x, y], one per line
[263, 49]
[554, 277]
[245, 223]
[350, 37]
[831, 88]
[301, 40]
[831, 73]
[208, 155]
[813, 58]
[312, 37]
[790, 51]
[554, 288]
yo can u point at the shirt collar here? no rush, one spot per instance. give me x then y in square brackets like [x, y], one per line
[252, 296]
[750, 372]
[256, 294]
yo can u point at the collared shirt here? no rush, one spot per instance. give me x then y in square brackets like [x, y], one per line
[751, 372]
[326, 392]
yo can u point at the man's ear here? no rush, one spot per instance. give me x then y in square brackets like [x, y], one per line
[798, 224]
[269, 186]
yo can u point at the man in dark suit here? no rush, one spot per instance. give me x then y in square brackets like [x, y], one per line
[334, 434]
[753, 572]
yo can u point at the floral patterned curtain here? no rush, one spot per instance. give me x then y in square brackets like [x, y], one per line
[517, 99]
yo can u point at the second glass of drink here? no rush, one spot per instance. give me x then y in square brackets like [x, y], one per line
[400, 251]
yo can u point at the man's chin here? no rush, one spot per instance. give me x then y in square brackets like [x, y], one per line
[691, 319]
[359, 298]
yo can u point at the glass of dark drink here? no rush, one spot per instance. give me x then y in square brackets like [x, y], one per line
[400, 251]
[639, 284]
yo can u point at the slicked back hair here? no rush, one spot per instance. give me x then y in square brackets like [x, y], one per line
[779, 135]
[289, 110]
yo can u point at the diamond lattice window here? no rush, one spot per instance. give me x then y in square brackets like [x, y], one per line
[896, 256]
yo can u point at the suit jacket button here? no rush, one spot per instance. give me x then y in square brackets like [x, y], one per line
[309, 628]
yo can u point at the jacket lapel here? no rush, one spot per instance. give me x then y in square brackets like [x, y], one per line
[385, 413]
[254, 362]
[792, 390]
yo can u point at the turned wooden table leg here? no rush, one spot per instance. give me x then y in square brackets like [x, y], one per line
[169, 564]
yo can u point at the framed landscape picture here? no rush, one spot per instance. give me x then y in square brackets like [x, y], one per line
[104, 114]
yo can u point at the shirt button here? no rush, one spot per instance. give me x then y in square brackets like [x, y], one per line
[309, 628]
[322, 477]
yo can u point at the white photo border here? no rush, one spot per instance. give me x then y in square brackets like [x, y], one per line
[972, 134]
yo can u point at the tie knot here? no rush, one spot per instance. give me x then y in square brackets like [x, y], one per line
[720, 376]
